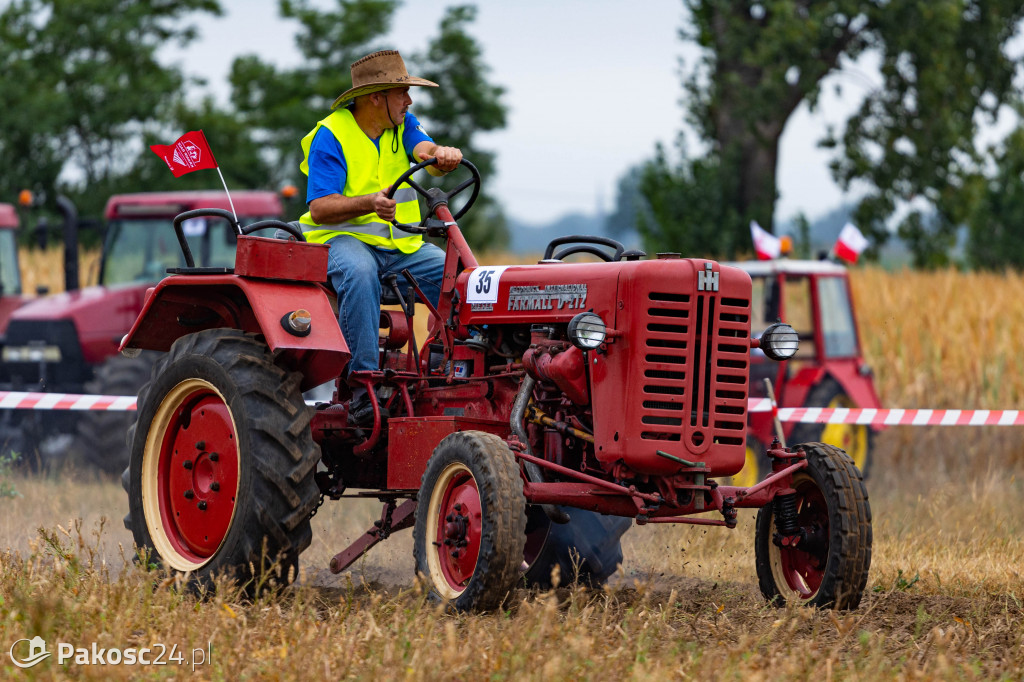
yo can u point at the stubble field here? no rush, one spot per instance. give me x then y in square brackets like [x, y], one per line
[944, 598]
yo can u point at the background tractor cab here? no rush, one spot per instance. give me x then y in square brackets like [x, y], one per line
[67, 342]
[814, 297]
[10, 274]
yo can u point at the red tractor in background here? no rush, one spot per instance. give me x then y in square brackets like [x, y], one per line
[67, 342]
[544, 396]
[10, 274]
[814, 297]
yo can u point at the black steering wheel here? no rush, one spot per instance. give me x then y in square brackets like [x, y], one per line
[435, 196]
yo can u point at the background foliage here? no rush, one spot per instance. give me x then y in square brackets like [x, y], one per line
[946, 69]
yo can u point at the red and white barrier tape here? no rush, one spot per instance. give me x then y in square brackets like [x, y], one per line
[890, 417]
[17, 400]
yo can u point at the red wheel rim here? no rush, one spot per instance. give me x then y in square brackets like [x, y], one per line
[803, 567]
[190, 473]
[456, 514]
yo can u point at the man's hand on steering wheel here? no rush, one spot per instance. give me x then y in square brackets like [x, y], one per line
[448, 158]
[384, 206]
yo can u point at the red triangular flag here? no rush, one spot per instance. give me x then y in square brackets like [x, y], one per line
[190, 152]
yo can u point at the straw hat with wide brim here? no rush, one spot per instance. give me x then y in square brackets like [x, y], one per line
[379, 71]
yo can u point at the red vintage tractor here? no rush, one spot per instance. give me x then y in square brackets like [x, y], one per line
[67, 342]
[544, 396]
[829, 370]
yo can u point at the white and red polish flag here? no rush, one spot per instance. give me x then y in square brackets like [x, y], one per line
[190, 152]
[850, 243]
[767, 245]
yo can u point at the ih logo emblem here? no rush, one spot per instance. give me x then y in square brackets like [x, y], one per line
[708, 279]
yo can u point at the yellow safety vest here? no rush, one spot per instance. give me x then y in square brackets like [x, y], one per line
[369, 171]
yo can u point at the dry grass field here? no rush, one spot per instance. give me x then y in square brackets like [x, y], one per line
[945, 597]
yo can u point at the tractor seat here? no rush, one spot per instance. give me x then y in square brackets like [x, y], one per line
[387, 296]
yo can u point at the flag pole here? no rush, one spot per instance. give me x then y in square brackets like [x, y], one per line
[230, 203]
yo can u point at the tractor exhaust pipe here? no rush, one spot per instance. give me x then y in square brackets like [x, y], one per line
[533, 472]
[70, 215]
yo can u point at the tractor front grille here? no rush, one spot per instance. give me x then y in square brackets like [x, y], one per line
[694, 368]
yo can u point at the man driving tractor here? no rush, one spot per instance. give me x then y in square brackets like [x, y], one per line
[351, 163]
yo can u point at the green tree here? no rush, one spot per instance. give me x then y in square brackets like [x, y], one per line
[81, 85]
[995, 226]
[279, 106]
[944, 66]
[465, 104]
[687, 208]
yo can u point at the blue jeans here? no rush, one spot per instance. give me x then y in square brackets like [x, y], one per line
[356, 269]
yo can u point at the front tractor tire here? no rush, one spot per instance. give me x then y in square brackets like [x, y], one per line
[220, 479]
[470, 522]
[828, 565]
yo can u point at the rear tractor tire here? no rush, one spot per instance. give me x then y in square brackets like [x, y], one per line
[587, 550]
[828, 566]
[222, 462]
[470, 522]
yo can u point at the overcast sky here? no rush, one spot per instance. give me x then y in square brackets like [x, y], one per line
[591, 86]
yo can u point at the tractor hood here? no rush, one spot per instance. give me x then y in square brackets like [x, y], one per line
[100, 316]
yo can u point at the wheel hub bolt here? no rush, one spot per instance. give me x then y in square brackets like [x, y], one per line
[458, 506]
[215, 486]
[202, 505]
[450, 518]
[201, 445]
[188, 463]
[214, 456]
[189, 494]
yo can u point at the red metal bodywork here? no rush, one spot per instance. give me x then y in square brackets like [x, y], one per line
[412, 440]
[246, 300]
[641, 380]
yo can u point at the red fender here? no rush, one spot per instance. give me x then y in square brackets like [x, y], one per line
[183, 304]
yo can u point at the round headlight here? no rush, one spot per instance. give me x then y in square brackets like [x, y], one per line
[780, 342]
[587, 331]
